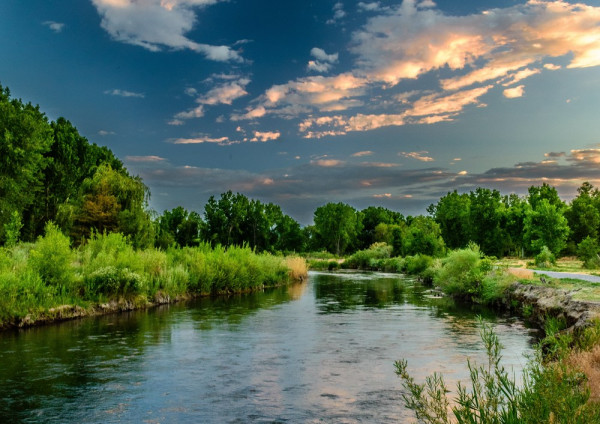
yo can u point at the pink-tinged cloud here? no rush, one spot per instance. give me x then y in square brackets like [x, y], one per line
[362, 154]
[265, 136]
[202, 140]
[421, 156]
[144, 159]
[327, 163]
[512, 93]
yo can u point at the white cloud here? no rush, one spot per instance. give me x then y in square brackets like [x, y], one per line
[362, 154]
[512, 93]
[144, 159]
[324, 62]
[203, 139]
[265, 136]
[338, 13]
[57, 27]
[105, 133]
[124, 93]
[421, 156]
[156, 24]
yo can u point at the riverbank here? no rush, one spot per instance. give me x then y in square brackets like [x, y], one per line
[48, 281]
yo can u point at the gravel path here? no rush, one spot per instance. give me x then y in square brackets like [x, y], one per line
[556, 274]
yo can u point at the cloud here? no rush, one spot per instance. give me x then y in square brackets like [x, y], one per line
[555, 154]
[175, 122]
[417, 155]
[265, 136]
[328, 163]
[369, 7]
[57, 27]
[156, 24]
[124, 93]
[150, 159]
[225, 93]
[202, 140]
[104, 133]
[362, 154]
[324, 62]
[511, 93]
[338, 13]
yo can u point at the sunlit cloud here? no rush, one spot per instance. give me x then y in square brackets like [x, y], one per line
[202, 140]
[265, 136]
[327, 163]
[323, 62]
[511, 93]
[362, 154]
[144, 159]
[417, 155]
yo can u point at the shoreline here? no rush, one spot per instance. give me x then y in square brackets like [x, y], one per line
[66, 312]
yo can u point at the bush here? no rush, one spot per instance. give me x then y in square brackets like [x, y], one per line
[416, 265]
[545, 259]
[588, 251]
[111, 280]
[368, 258]
[51, 257]
[462, 272]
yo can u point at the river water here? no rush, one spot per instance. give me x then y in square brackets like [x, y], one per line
[321, 351]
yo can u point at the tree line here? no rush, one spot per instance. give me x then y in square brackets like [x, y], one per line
[49, 172]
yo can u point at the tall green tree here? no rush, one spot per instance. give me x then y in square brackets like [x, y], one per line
[337, 226]
[583, 214]
[110, 201]
[545, 225]
[486, 216]
[451, 212]
[25, 138]
[372, 217]
[178, 226]
[514, 222]
[423, 235]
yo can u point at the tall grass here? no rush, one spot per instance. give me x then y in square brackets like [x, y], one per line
[556, 392]
[35, 278]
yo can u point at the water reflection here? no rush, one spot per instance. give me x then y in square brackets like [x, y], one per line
[318, 351]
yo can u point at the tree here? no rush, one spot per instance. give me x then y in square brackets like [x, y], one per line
[372, 217]
[452, 214]
[178, 226]
[110, 201]
[545, 225]
[486, 214]
[423, 235]
[514, 218]
[25, 137]
[337, 226]
[583, 214]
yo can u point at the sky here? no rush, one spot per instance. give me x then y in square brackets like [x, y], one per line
[300, 103]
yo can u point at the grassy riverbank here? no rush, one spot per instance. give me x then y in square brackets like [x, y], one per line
[48, 280]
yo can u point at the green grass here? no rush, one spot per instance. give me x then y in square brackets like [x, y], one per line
[37, 278]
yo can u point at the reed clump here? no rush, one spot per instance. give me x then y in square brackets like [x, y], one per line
[38, 277]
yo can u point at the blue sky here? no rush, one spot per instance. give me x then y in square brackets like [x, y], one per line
[300, 103]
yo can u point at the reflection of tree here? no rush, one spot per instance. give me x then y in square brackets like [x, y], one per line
[47, 368]
[335, 294]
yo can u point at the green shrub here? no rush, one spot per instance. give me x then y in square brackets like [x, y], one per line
[545, 259]
[51, 257]
[588, 251]
[368, 258]
[417, 264]
[111, 281]
[462, 273]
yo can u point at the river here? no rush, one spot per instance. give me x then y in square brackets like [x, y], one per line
[321, 351]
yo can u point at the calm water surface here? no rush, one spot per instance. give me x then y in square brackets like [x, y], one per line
[321, 351]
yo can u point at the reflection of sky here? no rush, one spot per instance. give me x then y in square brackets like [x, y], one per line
[280, 358]
[395, 101]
